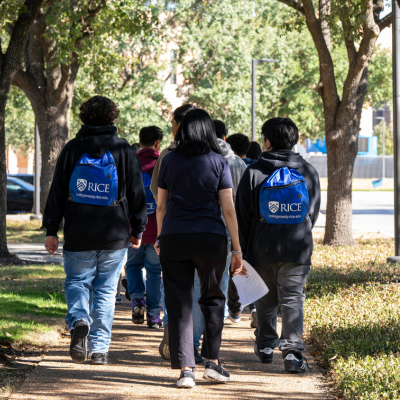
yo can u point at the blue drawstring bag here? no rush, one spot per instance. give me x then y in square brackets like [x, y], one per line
[284, 197]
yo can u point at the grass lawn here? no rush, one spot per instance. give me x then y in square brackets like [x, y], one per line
[352, 317]
[32, 304]
[27, 232]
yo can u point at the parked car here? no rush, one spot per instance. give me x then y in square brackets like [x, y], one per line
[25, 177]
[19, 195]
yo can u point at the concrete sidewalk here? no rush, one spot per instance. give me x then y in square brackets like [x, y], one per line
[35, 252]
[138, 372]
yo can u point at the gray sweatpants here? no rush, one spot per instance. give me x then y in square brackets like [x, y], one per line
[285, 282]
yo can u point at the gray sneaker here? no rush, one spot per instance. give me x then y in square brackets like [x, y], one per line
[186, 380]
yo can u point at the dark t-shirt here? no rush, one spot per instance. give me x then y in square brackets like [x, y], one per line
[193, 185]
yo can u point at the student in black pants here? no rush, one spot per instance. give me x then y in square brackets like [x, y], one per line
[193, 182]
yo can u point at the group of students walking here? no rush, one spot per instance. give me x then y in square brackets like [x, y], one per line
[189, 216]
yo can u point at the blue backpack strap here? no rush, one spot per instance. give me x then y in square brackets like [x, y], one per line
[284, 197]
[95, 181]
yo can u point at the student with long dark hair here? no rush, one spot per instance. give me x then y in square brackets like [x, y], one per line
[194, 180]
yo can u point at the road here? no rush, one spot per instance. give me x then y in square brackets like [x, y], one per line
[372, 212]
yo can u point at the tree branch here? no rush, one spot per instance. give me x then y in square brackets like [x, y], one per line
[385, 22]
[294, 4]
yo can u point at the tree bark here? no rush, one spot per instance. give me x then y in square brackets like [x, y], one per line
[9, 63]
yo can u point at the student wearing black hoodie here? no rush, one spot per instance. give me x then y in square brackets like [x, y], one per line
[104, 212]
[280, 253]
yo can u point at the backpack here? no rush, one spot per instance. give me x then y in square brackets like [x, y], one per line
[284, 197]
[151, 203]
[95, 181]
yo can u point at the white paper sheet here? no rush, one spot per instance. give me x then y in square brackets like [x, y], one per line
[250, 287]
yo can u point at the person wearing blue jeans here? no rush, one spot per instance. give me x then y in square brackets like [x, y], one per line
[98, 190]
[144, 257]
[90, 287]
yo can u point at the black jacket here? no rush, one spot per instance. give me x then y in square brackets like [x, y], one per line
[91, 227]
[264, 243]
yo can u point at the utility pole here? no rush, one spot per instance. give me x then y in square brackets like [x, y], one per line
[396, 128]
[36, 201]
[383, 119]
[254, 62]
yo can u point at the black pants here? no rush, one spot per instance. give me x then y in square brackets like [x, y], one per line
[180, 255]
[234, 300]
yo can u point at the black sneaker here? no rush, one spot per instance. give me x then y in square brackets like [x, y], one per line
[138, 306]
[100, 359]
[124, 283]
[198, 359]
[265, 355]
[216, 373]
[78, 346]
[186, 380]
[294, 362]
[164, 345]
[253, 323]
[118, 299]
[154, 321]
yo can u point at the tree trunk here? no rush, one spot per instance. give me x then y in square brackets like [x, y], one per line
[342, 148]
[9, 64]
[338, 228]
[52, 116]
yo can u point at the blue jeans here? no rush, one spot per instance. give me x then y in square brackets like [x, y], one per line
[144, 257]
[198, 321]
[90, 288]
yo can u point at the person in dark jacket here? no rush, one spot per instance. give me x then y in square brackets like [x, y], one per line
[255, 151]
[146, 257]
[98, 227]
[280, 253]
[240, 145]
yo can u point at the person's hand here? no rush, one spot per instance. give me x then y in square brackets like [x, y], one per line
[51, 244]
[135, 243]
[157, 247]
[237, 265]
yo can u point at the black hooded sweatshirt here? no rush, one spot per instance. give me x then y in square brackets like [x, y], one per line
[92, 227]
[264, 243]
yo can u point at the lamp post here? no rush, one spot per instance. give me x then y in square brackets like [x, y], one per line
[383, 145]
[36, 202]
[254, 62]
[396, 129]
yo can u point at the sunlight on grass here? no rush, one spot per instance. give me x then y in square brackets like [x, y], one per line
[32, 304]
[27, 232]
[352, 316]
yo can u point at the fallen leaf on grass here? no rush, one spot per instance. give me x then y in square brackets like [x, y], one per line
[333, 357]
[8, 334]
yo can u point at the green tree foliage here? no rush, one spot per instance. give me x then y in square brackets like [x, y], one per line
[20, 121]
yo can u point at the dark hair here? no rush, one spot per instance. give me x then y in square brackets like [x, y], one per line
[136, 147]
[98, 111]
[197, 134]
[240, 143]
[255, 150]
[220, 129]
[149, 135]
[281, 132]
[181, 111]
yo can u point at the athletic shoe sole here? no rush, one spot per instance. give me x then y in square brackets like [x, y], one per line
[100, 361]
[78, 350]
[235, 320]
[138, 316]
[214, 376]
[186, 383]
[155, 326]
[164, 345]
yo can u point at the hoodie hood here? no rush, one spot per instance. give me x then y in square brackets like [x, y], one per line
[148, 158]
[96, 140]
[225, 148]
[281, 158]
